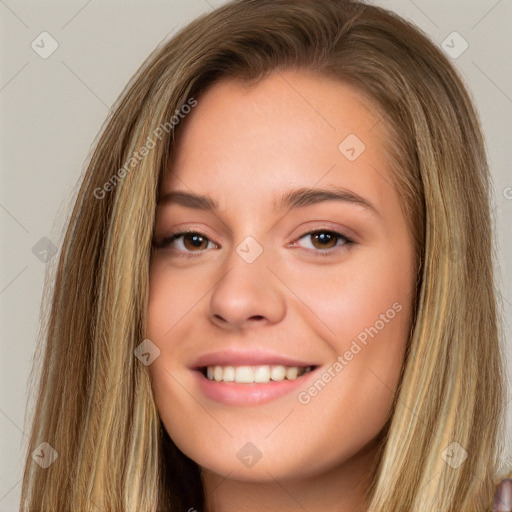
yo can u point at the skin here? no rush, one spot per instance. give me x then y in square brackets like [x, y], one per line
[246, 146]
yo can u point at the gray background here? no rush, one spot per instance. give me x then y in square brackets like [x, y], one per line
[53, 108]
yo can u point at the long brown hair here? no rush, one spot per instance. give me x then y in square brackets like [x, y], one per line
[95, 406]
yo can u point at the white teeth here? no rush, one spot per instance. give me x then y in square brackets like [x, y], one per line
[262, 374]
[228, 374]
[250, 374]
[243, 374]
[277, 372]
[292, 372]
[218, 373]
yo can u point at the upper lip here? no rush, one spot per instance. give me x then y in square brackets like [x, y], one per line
[246, 358]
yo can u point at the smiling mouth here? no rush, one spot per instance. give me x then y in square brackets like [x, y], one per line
[254, 374]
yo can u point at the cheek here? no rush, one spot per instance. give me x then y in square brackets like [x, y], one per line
[363, 311]
[368, 295]
[173, 295]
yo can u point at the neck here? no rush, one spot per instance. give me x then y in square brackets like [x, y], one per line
[340, 489]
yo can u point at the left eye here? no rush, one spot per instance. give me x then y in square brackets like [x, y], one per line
[324, 240]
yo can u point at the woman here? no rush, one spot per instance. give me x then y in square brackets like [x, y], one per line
[333, 342]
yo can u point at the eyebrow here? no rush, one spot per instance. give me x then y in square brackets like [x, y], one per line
[292, 199]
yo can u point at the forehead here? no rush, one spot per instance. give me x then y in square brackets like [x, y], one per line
[291, 129]
[283, 97]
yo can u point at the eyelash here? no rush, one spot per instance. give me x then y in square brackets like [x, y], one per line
[166, 241]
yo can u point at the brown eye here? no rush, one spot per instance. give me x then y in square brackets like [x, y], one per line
[185, 242]
[325, 242]
[193, 241]
[324, 239]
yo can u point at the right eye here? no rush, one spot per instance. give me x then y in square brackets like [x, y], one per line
[184, 242]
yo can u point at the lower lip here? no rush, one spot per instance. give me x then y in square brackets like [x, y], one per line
[233, 393]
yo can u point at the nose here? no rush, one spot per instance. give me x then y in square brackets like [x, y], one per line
[247, 295]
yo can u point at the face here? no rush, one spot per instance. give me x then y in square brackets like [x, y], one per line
[281, 315]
